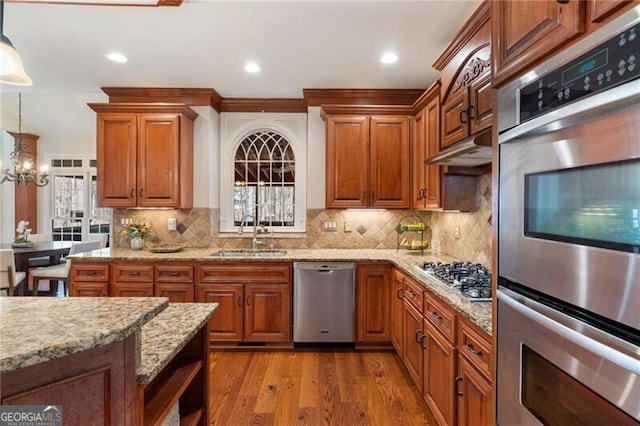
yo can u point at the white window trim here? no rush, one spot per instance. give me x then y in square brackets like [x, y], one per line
[237, 126]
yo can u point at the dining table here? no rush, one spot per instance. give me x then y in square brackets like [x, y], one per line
[51, 249]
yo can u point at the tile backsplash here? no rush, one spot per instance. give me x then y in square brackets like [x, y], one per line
[354, 228]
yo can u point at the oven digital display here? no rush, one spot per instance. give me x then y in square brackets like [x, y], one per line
[595, 205]
[578, 70]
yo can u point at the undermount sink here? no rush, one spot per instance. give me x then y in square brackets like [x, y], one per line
[249, 253]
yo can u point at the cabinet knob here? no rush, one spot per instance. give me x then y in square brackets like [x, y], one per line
[239, 301]
[132, 193]
[141, 192]
[399, 293]
[248, 300]
[418, 336]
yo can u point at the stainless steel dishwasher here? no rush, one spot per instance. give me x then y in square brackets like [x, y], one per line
[323, 302]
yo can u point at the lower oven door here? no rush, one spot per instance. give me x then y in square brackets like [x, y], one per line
[555, 370]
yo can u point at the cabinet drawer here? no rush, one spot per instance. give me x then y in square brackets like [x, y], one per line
[89, 272]
[413, 292]
[264, 272]
[475, 346]
[440, 316]
[174, 273]
[133, 272]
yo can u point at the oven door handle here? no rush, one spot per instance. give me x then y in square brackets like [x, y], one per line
[619, 358]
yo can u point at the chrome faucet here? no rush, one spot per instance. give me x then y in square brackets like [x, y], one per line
[254, 242]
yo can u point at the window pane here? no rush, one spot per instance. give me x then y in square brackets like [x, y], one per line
[68, 207]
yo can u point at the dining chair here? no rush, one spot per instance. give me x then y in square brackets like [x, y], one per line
[40, 238]
[10, 280]
[103, 238]
[61, 271]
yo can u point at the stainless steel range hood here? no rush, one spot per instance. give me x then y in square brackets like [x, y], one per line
[471, 152]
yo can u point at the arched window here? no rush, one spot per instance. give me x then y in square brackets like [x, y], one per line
[264, 181]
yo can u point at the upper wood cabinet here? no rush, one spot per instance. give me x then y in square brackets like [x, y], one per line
[368, 161]
[466, 80]
[145, 155]
[524, 32]
[426, 182]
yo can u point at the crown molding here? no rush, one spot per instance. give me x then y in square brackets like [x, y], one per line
[366, 110]
[192, 97]
[263, 105]
[129, 107]
[320, 97]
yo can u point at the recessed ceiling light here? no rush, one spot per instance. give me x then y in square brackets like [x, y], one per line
[116, 57]
[389, 58]
[252, 67]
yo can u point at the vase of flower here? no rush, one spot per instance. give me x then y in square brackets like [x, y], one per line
[136, 233]
[22, 235]
[137, 243]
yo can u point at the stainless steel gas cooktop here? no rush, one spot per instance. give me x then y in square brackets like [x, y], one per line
[472, 281]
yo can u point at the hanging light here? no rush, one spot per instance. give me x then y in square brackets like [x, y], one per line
[11, 68]
[23, 167]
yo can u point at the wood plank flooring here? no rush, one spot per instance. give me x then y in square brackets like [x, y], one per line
[313, 387]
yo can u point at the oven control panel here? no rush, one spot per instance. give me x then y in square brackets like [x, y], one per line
[613, 62]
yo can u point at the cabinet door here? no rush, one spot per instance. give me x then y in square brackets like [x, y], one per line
[347, 161]
[116, 160]
[373, 302]
[432, 140]
[439, 375]
[419, 151]
[158, 160]
[131, 289]
[397, 311]
[455, 121]
[225, 324]
[267, 313]
[600, 9]
[480, 109]
[412, 337]
[525, 32]
[176, 292]
[475, 397]
[389, 162]
[89, 289]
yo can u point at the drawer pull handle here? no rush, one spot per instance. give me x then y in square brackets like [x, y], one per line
[239, 301]
[418, 336]
[132, 193]
[461, 116]
[248, 300]
[470, 112]
[90, 272]
[134, 272]
[473, 350]
[173, 274]
[399, 293]
[141, 192]
[376, 276]
[424, 336]
[455, 385]
[435, 316]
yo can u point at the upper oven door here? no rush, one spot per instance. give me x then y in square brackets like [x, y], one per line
[569, 219]
[556, 370]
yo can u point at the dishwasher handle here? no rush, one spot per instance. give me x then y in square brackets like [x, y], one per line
[325, 271]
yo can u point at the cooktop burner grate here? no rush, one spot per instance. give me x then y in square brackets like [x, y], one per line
[471, 280]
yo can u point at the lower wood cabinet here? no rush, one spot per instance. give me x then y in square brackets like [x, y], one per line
[474, 394]
[175, 292]
[254, 300]
[413, 335]
[89, 279]
[397, 311]
[439, 374]
[128, 289]
[373, 291]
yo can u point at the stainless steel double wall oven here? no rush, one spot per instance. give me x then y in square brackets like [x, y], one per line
[569, 236]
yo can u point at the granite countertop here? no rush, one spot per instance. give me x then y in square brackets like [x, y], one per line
[39, 329]
[166, 334]
[478, 312]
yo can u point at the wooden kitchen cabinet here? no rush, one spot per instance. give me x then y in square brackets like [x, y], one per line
[175, 281]
[132, 279]
[439, 374]
[467, 101]
[413, 335]
[254, 299]
[397, 311]
[89, 279]
[373, 300]
[523, 33]
[368, 161]
[475, 371]
[426, 181]
[144, 155]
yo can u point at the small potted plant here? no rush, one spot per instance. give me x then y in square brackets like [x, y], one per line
[136, 233]
[22, 235]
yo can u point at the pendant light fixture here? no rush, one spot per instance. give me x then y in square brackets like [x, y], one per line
[23, 170]
[11, 68]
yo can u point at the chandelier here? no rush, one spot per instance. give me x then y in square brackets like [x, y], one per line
[23, 171]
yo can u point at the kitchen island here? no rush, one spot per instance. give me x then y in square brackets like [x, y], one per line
[96, 357]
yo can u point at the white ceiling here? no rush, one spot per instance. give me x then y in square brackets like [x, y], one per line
[205, 44]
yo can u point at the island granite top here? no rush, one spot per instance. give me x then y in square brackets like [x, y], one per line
[166, 334]
[478, 313]
[39, 329]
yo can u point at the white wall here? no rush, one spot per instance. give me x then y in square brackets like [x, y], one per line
[206, 157]
[316, 164]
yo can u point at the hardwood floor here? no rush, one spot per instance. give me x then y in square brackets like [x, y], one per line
[313, 387]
